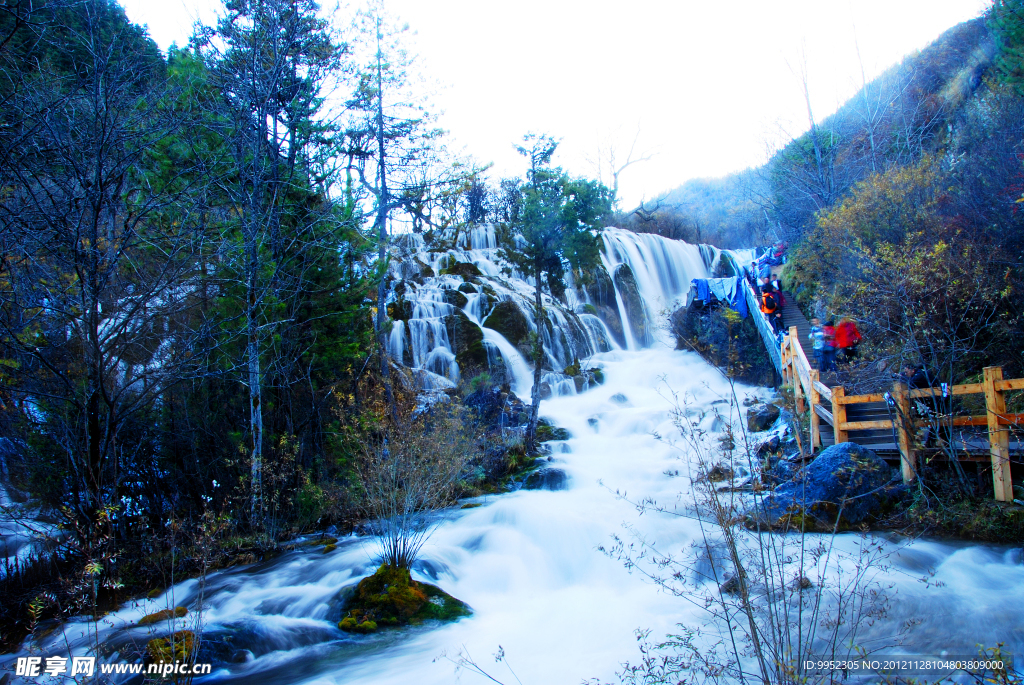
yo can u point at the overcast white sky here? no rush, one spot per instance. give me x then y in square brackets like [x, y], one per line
[710, 86]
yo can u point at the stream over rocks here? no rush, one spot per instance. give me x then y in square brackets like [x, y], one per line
[528, 562]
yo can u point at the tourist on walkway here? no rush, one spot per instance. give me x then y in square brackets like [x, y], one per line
[829, 349]
[770, 306]
[847, 339]
[914, 376]
[817, 337]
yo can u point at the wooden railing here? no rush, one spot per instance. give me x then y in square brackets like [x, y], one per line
[797, 372]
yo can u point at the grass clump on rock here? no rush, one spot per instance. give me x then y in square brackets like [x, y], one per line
[391, 598]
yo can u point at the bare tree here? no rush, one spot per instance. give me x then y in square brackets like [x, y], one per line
[97, 252]
[411, 473]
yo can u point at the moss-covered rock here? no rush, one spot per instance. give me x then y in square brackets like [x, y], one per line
[425, 270]
[176, 648]
[467, 287]
[176, 612]
[467, 342]
[454, 298]
[508, 319]
[546, 432]
[467, 270]
[636, 313]
[400, 310]
[390, 598]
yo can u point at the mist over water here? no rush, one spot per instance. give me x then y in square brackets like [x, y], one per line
[529, 563]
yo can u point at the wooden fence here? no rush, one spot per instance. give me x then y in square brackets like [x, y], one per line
[812, 395]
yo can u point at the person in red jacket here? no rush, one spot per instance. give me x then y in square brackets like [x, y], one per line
[847, 339]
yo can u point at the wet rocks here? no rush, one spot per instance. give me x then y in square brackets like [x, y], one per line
[761, 417]
[400, 309]
[455, 298]
[845, 484]
[620, 399]
[467, 270]
[546, 432]
[467, 341]
[506, 318]
[546, 479]
[601, 291]
[633, 303]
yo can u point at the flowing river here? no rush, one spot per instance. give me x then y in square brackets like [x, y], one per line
[529, 565]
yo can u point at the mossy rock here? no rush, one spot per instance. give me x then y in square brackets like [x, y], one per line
[329, 548]
[546, 432]
[400, 310]
[426, 271]
[390, 598]
[598, 376]
[508, 319]
[154, 593]
[454, 298]
[467, 288]
[176, 612]
[176, 648]
[467, 341]
[588, 309]
[467, 270]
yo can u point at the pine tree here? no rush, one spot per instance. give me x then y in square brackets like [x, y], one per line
[552, 227]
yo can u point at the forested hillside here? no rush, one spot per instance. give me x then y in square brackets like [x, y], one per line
[902, 208]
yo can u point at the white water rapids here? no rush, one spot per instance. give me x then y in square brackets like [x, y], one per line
[528, 564]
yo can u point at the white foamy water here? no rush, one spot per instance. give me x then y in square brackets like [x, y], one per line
[529, 565]
[528, 562]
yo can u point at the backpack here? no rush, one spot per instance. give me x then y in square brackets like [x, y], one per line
[769, 303]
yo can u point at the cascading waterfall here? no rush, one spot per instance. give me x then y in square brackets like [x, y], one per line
[662, 269]
[528, 562]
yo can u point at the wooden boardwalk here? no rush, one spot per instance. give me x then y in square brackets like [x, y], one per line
[887, 422]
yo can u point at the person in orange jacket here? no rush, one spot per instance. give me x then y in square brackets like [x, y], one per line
[771, 308]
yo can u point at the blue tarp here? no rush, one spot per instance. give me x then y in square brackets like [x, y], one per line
[727, 290]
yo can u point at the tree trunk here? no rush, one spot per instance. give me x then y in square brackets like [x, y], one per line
[382, 236]
[255, 382]
[538, 362]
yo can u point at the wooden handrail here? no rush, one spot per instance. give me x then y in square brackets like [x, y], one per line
[965, 389]
[824, 413]
[1003, 419]
[861, 399]
[823, 390]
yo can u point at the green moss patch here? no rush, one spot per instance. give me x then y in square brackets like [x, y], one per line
[546, 432]
[177, 612]
[506, 318]
[467, 270]
[391, 598]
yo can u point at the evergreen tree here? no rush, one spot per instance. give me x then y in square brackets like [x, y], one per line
[270, 60]
[1006, 19]
[552, 227]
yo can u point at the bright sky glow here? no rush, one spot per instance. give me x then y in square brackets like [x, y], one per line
[706, 87]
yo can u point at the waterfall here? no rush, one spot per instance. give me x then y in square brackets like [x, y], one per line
[661, 267]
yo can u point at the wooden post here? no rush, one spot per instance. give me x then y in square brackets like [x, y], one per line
[815, 399]
[998, 436]
[905, 432]
[794, 365]
[839, 414]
